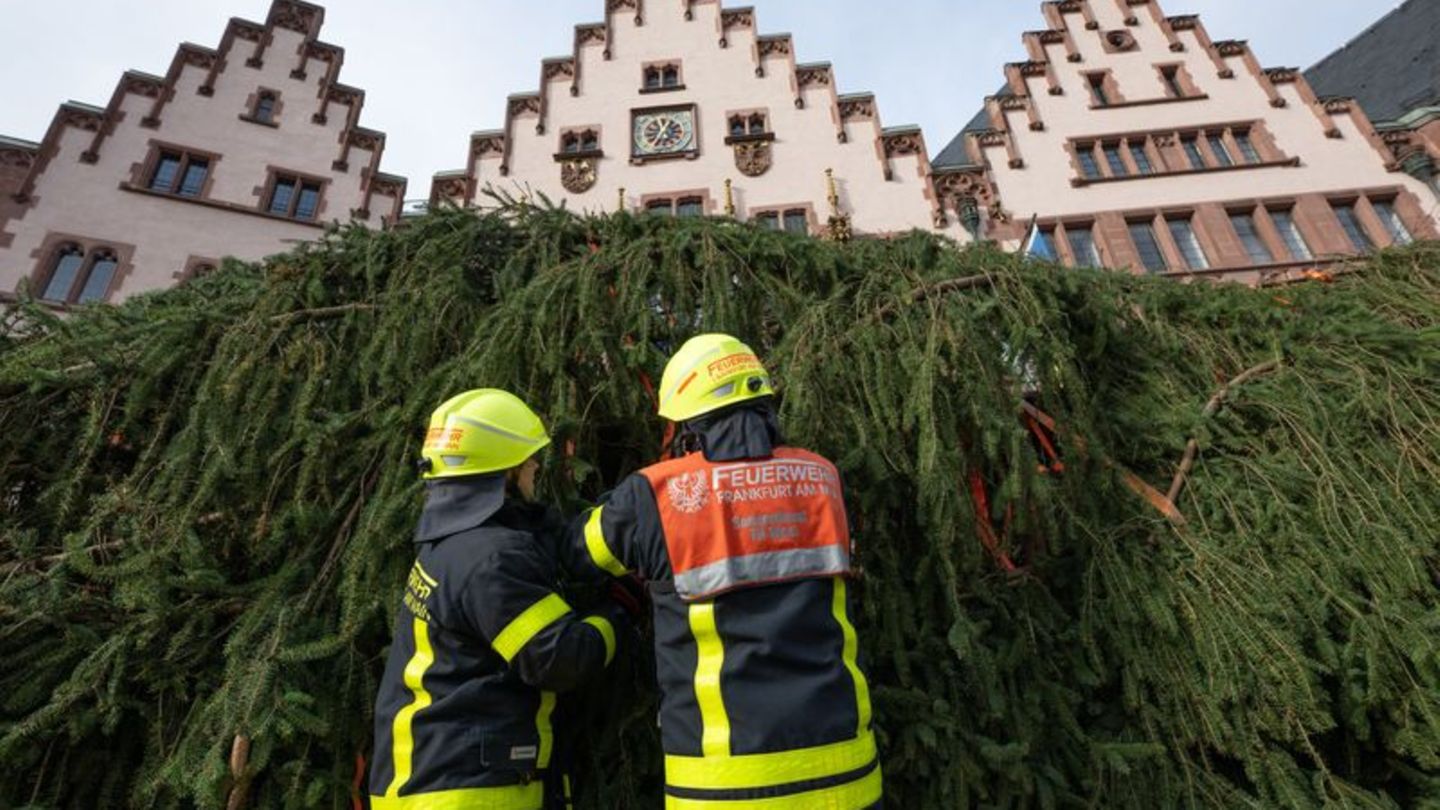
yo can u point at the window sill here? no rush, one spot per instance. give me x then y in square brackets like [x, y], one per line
[561, 157]
[641, 160]
[253, 120]
[758, 137]
[1317, 263]
[650, 91]
[53, 306]
[220, 205]
[1149, 102]
[1081, 182]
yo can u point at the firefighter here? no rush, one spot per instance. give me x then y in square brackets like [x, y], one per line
[745, 548]
[483, 642]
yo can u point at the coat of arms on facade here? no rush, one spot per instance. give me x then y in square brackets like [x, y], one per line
[688, 493]
[753, 158]
[578, 175]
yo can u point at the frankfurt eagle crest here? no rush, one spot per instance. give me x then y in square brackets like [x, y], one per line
[689, 492]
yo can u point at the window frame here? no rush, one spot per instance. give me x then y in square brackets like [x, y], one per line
[1139, 149]
[1088, 229]
[186, 158]
[1089, 165]
[1170, 78]
[1099, 86]
[779, 217]
[1148, 224]
[1353, 207]
[1219, 150]
[1190, 146]
[661, 72]
[1394, 225]
[301, 180]
[1254, 240]
[1200, 261]
[1115, 158]
[1306, 253]
[91, 253]
[1245, 142]
[586, 142]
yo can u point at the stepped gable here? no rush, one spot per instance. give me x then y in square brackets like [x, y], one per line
[852, 116]
[315, 57]
[1121, 120]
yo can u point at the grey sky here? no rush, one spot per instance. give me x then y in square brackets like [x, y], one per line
[434, 70]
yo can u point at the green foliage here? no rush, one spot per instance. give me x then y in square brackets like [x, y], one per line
[208, 496]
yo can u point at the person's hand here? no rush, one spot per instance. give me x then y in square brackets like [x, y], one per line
[629, 594]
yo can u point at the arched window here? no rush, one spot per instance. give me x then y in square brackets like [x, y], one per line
[264, 111]
[737, 126]
[570, 143]
[103, 264]
[757, 124]
[652, 78]
[589, 141]
[671, 76]
[64, 271]
[78, 278]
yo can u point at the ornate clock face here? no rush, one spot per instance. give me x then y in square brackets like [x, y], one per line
[666, 132]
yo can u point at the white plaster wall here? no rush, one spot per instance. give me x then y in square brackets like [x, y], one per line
[718, 80]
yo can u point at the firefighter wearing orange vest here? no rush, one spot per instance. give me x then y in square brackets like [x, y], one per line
[746, 550]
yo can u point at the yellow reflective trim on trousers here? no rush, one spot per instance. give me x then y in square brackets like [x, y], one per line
[518, 797]
[527, 625]
[857, 795]
[600, 552]
[402, 731]
[745, 771]
[841, 608]
[607, 632]
[715, 736]
[547, 732]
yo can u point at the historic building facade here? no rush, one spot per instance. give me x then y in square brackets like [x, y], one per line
[685, 107]
[1393, 70]
[1131, 139]
[240, 150]
[1140, 142]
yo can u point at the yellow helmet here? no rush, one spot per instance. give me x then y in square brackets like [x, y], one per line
[708, 373]
[479, 432]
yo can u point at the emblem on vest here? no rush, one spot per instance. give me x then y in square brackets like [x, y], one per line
[689, 492]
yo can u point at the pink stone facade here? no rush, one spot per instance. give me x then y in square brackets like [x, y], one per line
[1181, 155]
[1129, 138]
[814, 153]
[177, 172]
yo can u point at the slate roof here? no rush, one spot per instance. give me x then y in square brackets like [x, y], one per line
[954, 154]
[1392, 67]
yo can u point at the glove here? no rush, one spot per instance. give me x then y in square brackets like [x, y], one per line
[630, 595]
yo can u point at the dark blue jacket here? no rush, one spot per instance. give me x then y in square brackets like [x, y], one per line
[483, 642]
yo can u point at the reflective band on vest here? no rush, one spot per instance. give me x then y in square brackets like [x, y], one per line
[857, 795]
[731, 525]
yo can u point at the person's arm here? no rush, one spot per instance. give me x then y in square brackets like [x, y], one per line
[510, 599]
[620, 537]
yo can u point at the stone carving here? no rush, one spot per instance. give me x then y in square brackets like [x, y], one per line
[143, 86]
[559, 69]
[818, 75]
[88, 120]
[451, 188]
[341, 94]
[16, 158]
[1282, 75]
[578, 175]
[1033, 68]
[587, 34]
[247, 31]
[1337, 106]
[737, 18]
[753, 158]
[1231, 47]
[490, 144]
[523, 105]
[1120, 41]
[953, 185]
[321, 52]
[293, 17]
[1051, 37]
[862, 108]
[1185, 22]
[903, 143]
[774, 46]
[367, 139]
[197, 57]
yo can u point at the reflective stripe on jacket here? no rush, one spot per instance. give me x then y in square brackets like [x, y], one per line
[764, 703]
[483, 642]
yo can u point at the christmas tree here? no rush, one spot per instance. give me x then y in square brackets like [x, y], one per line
[1123, 542]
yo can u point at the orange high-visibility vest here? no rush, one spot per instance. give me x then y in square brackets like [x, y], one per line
[730, 525]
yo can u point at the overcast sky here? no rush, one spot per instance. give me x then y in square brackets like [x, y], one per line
[435, 70]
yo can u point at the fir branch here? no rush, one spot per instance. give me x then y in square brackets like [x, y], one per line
[1192, 447]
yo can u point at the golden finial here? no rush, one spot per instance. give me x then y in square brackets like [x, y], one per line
[729, 198]
[834, 194]
[620, 203]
